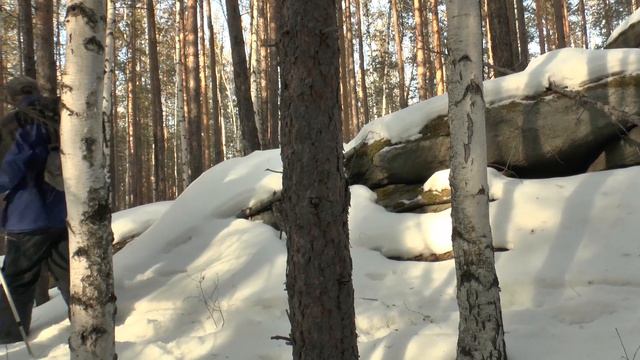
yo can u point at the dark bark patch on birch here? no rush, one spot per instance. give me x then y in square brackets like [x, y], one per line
[90, 17]
[92, 44]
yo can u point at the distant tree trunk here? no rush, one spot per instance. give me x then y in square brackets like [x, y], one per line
[351, 67]
[92, 302]
[502, 46]
[181, 98]
[437, 47]
[263, 36]
[194, 89]
[107, 98]
[480, 330]
[558, 13]
[513, 33]
[344, 81]
[565, 23]
[400, 56]
[523, 36]
[363, 74]
[421, 61]
[159, 162]
[204, 82]
[583, 24]
[254, 67]
[249, 141]
[315, 190]
[608, 27]
[540, 25]
[26, 29]
[134, 164]
[218, 145]
[46, 64]
[274, 78]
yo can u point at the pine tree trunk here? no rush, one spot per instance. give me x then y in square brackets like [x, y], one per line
[540, 25]
[399, 53]
[159, 163]
[46, 65]
[315, 192]
[249, 141]
[263, 35]
[558, 14]
[26, 29]
[134, 163]
[583, 24]
[363, 73]
[513, 33]
[274, 79]
[254, 67]
[204, 82]
[351, 67]
[194, 90]
[344, 78]
[502, 46]
[481, 334]
[565, 23]
[218, 145]
[92, 302]
[437, 47]
[421, 61]
[523, 36]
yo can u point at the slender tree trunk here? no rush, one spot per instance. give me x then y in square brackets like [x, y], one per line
[351, 67]
[363, 73]
[159, 162]
[608, 27]
[502, 46]
[274, 78]
[583, 24]
[437, 47]
[249, 133]
[134, 163]
[204, 82]
[263, 35]
[421, 61]
[26, 29]
[218, 145]
[107, 98]
[565, 23]
[523, 36]
[315, 191]
[254, 67]
[46, 65]
[558, 13]
[194, 89]
[92, 302]
[513, 32]
[181, 98]
[480, 331]
[344, 81]
[540, 25]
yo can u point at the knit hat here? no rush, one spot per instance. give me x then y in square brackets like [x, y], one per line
[22, 85]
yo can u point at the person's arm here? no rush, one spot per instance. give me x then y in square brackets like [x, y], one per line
[28, 149]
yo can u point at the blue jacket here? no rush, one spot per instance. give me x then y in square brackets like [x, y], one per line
[31, 203]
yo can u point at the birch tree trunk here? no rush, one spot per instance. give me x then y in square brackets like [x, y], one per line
[249, 141]
[46, 64]
[92, 302]
[315, 190]
[181, 121]
[107, 94]
[159, 163]
[26, 30]
[402, 97]
[481, 335]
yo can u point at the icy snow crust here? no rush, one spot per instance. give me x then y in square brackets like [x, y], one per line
[200, 283]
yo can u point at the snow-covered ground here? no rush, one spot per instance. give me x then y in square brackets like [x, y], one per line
[202, 284]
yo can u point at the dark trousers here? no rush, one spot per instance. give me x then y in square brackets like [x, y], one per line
[25, 255]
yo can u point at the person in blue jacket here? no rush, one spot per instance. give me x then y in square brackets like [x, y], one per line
[34, 216]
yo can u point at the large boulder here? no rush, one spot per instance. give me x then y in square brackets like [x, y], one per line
[627, 35]
[543, 136]
[622, 152]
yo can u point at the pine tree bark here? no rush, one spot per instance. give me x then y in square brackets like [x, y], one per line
[249, 141]
[523, 37]
[583, 24]
[565, 23]
[315, 190]
[437, 47]
[558, 14]
[263, 36]
[540, 26]
[513, 32]
[399, 53]
[421, 60]
[218, 145]
[502, 46]
[364, 98]
[481, 334]
[92, 302]
[254, 67]
[204, 82]
[134, 162]
[159, 163]
[26, 29]
[194, 88]
[46, 64]
[274, 79]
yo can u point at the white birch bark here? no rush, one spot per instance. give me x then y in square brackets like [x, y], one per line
[481, 335]
[92, 302]
[181, 123]
[107, 101]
